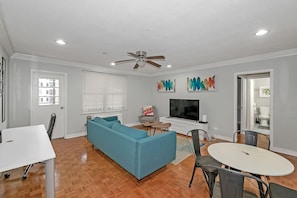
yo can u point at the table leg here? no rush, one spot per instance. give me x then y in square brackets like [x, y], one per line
[50, 178]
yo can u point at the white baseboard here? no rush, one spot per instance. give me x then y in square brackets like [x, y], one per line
[223, 138]
[284, 151]
[74, 135]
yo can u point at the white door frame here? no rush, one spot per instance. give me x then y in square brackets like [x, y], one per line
[64, 95]
[271, 98]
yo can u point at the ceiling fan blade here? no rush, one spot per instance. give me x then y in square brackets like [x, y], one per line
[132, 54]
[125, 61]
[156, 57]
[136, 66]
[153, 63]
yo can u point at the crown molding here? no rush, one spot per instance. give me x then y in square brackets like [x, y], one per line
[73, 64]
[261, 57]
[267, 56]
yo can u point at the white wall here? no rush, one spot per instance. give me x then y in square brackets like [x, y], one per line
[20, 95]
[219, 104]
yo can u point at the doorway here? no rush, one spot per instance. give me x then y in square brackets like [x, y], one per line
[47, 98]
[254, 102]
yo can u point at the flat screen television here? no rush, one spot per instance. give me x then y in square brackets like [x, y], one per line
[183, 108]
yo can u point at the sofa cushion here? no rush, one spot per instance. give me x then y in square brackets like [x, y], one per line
[131, 132]
[104, 122]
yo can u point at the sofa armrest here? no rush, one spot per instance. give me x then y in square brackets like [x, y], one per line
[155, 152]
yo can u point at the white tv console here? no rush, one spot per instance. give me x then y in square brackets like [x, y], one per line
[182, 126]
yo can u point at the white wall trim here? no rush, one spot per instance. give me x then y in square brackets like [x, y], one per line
[267, 56]
[75, 135]
[284, 151]
[270, 71]
[229, 139]
[74, 64]
[277, 54]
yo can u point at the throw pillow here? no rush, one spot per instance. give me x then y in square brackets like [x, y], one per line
[148, 110]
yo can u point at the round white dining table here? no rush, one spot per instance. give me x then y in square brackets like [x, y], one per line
[251, 159]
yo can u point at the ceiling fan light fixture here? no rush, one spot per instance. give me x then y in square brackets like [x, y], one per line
[141, 62]
[141, 59]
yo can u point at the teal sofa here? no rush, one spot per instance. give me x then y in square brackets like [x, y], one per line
[132, 148]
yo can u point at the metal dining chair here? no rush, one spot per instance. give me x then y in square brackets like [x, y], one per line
[252, 138]
[49, 133]
[277, 190]
[209, 173]
[231, 184]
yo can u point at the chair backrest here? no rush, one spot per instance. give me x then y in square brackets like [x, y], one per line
[232, 183]
[196, 139]
[51, 125]
[252, 138]
[278, 190]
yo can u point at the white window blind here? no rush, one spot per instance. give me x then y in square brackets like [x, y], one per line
[103, 92]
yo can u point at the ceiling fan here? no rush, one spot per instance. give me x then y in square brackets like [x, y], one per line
[141, 59]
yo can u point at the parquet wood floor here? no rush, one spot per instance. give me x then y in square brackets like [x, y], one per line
[84, 172]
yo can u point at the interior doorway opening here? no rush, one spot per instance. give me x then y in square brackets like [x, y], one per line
[254, 102]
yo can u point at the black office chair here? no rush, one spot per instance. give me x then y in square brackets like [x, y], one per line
[277, 190]
[49, 132]
[209, 173]
[252, 138]
[231, 184]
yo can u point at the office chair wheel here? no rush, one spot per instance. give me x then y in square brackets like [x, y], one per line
[6, 175]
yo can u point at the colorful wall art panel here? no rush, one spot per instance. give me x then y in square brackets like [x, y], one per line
[200, 83]
[166, 85]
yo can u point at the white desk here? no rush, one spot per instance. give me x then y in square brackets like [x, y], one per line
[28, 145]
[251, 159]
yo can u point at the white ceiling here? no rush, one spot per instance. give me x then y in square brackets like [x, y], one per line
[188, 33]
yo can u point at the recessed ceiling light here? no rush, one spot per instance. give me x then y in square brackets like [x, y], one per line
[60, 42]
[112, 64]
[261, 32]
[169, 66]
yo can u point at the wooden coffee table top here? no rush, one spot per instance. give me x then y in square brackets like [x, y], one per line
[161, 125]
[149, 124]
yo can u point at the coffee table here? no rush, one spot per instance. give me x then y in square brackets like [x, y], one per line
[149, 125]
[162, 126]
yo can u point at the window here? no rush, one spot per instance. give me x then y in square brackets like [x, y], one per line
[48, 91]
[103, 92]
